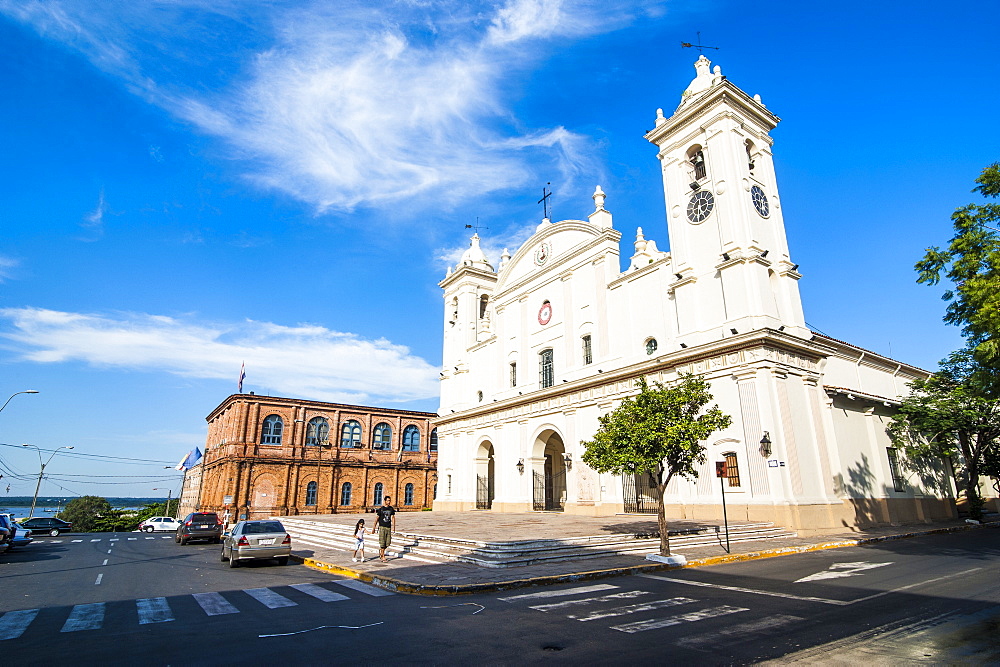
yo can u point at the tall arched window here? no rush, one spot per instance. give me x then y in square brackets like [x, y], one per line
[311, 493]
[483, 301]
[270, 432]
[434, 440]
[317, 431]
[732, 469]
[345, 494]
[408, 494]
[697, 159]
[350, 434]
[411, 439]
[377, 497]
[383, 437]
[546, 372]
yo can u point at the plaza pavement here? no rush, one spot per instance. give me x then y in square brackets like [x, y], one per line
[407, 575]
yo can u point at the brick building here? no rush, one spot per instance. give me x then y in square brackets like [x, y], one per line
[269, 456]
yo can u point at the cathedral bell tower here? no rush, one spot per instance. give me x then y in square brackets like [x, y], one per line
[732, 268]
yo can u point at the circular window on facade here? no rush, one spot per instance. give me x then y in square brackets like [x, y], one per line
[651, 346]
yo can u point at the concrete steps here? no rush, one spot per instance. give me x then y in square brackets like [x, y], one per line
[438, 549]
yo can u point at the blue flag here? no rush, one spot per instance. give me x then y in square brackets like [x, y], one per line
[189, 460]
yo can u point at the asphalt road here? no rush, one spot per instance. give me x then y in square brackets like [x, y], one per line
[154, 602]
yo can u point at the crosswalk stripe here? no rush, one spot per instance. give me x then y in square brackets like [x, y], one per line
[745, 630]
[214, 604]
[624, 595]
[319, 592]
[269, 598]
[85, 617]
[75, 541]
[632, 609]
[150, 538]
[95, 540]
[132, 539]
[642, 626]
[14, 623]
[153, 610]
[55, 541]
[554, 594]
[362, 587]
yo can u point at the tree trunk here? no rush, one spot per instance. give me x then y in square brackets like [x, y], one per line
[972, 496]
[661, 516]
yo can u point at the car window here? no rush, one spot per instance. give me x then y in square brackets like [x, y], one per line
[262, 527]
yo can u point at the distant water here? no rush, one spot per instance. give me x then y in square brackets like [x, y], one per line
[40, 510]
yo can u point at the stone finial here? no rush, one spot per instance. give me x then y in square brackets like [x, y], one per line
[640, 241]
[598, 198]
[660, 120]
[475, 256]
[703, 79]
[504, 258]
[756, 98]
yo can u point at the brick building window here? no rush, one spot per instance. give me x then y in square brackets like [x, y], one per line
[411, 439]
[383, 437]
[350, 435]
[345, 494]
[377, 496]
[408, 494]
[546, 373]
[311, 493]
[270, 432]
[317, 431]
[434, 440]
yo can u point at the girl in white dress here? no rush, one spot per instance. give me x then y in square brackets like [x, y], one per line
[359, 542]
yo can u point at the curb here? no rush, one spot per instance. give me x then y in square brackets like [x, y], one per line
[399, 586]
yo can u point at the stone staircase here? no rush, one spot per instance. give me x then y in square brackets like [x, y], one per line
[436, 549]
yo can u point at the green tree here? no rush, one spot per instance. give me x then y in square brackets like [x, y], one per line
[657, 432]
[948, 416]
[972, 264]
[85, 511]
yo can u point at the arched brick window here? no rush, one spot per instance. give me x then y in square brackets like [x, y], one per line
[383, 437]
[345, 494]
[311, 493]
[411, 439]
[270, 432]
[350, 434]
[408, 494]
[377, 496]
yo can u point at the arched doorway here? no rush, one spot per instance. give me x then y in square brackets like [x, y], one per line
[549, 473]
[263, 501]
[484, 476]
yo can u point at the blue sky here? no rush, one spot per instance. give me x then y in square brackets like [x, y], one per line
[190, 185]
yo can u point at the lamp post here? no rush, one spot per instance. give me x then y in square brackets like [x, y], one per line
[316, 432]
[169, 492]
[26, 391]
[42, 471]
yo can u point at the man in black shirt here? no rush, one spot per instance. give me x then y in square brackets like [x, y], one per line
[385, 525]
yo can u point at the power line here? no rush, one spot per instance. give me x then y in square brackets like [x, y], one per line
[96, 456]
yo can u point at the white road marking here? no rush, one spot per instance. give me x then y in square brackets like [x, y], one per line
[164, 537]
[99, 577]
[150, 538]
[132, 539]
[55, 541]
[14, 623]
[631, 609]
[214, 604]
[85, 617]
[362, 587]
[75, 541]
[153, 610]
[656, 623]
[109, 550]
[113, 539]
[105, 562]
[319, 592]
[601, 598]
[556, 594]
[840, 570]
[95, 540]
[739, 589]
[742, 630]
[269, 598]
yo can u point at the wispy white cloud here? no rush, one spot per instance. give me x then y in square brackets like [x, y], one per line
[301, 360]
[346, 104]
[93, 222]
[7, 267]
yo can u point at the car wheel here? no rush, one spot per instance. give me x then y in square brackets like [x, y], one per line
[222, 555]
[148, 529]
[283, 560]
[177, 539]
[184, 541]
[54, 532]
[233, 562]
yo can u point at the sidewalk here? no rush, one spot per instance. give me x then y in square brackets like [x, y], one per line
[406, 575]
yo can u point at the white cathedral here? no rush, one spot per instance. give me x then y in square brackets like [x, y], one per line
[556, 335]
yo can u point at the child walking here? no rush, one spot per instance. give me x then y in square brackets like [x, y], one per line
[359, 541]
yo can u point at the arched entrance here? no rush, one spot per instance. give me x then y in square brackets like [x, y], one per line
[549, 473]
[263, 501]
[484, 476]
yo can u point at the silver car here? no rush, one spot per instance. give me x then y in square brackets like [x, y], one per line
[251, 540]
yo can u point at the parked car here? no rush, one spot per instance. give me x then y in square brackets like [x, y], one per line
[47, 524]
[163, 523]
[252, 540]
[199, 526]
[19, 536]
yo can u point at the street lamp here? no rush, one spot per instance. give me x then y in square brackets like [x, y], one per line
[316, 433]
[42, 471]
[26, 391]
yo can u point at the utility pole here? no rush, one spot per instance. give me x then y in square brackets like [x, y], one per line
[41, 472]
